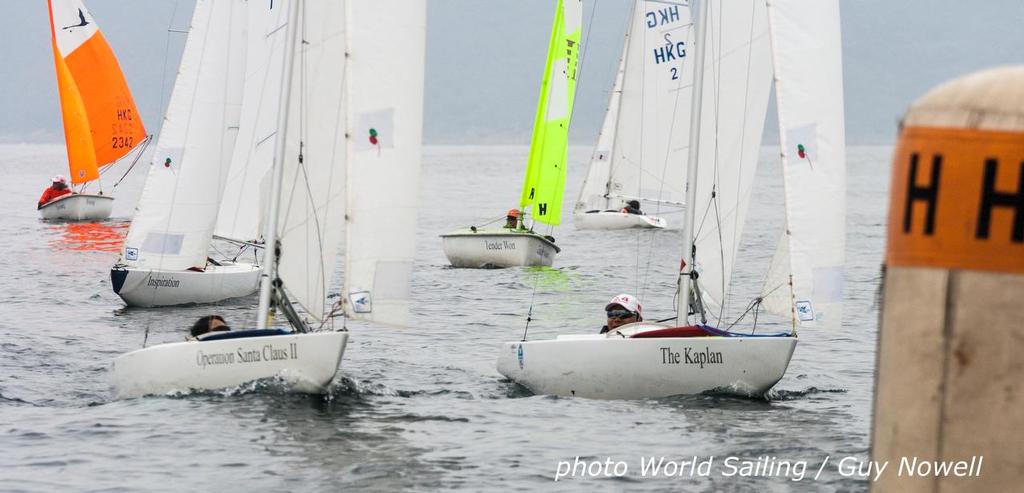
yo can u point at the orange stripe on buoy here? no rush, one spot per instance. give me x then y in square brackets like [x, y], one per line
[957, 200]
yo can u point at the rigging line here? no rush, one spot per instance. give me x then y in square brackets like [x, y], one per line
[142, 149]
[583, 57]
[756, 301]
[721, 259]
[492, 221]
[303, 114]
[167, 51]
[736, 227]
[713, 201]
[533, 296]
[613, 154]
[636, 271]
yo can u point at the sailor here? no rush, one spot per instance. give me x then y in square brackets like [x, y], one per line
[207, 325]
[621, 310]
[59, 188]
[512, 219]
[633, 207]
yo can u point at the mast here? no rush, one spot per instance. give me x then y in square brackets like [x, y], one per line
[619, 76]
[280, 141]
[689, 249]
[346, 288]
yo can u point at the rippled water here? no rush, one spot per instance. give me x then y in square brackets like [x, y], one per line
[421, 408]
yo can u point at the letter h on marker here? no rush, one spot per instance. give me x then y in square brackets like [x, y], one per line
[929, 194]
[991, 198]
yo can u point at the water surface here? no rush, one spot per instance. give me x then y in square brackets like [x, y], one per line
[420, 408]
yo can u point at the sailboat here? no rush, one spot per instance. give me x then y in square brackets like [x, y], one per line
[748, 45]
[349, 70]
[541, 198]
[101, 122]
[165, 256]
[640, 146]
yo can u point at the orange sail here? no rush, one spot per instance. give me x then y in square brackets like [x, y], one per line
[101, 122]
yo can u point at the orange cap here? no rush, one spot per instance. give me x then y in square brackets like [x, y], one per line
[512, 213]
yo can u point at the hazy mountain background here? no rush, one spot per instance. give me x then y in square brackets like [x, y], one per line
[484, 59]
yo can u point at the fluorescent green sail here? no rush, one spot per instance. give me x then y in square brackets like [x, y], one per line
[545, 172]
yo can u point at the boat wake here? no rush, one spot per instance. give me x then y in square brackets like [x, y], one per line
[345, 386]
[269, 386]
[792, 395]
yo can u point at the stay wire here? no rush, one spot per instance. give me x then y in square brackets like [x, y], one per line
[142, 150]
[163, 111]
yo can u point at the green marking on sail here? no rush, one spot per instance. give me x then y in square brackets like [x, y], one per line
[545, 172]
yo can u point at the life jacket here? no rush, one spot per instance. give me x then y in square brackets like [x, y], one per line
[51, 193]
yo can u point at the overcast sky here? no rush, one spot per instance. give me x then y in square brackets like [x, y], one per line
[484, 59]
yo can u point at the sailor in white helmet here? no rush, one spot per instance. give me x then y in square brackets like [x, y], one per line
[621, 310]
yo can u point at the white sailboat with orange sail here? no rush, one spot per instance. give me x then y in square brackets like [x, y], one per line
[101, 123]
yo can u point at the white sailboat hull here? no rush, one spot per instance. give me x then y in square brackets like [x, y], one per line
[498, 248]
[78, 207]
[147, 287]
[306, 362]
[609, 220]
[600, 367]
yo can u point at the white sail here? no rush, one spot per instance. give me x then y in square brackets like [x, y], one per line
[737, 82]
[312, 208]
[177, 211]
[653, 115]
[368, 182]
[244, 202]
[387, 67]
[595, 185]
[809, 95]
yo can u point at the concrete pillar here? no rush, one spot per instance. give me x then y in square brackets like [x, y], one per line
[950, 370]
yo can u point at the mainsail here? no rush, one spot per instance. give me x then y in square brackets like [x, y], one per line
[797, 42]
[386, 127]
[101, 122]
[805, 280]
[244, 203]
[648, 114]
[174, 221]
[351, 162]
[545, 172]
[736, 84]
[594, 192]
